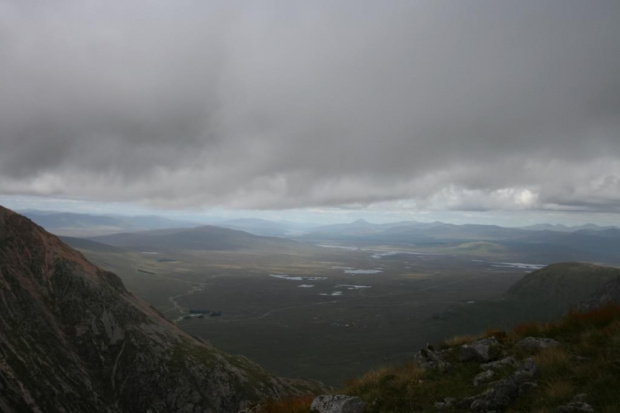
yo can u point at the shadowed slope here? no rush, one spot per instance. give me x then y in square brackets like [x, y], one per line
[73, 338]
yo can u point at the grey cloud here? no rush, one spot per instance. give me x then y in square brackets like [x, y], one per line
[453, 105]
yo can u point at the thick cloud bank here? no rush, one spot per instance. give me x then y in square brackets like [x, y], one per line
[450, 105]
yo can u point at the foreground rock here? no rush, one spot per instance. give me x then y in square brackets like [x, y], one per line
[72, 338]
[483, 350]
[337, 404]
[483, 377]
[504, 393]
[578, 404]
[446, 403]
[430, 359]
[496, 365]
[536, 343]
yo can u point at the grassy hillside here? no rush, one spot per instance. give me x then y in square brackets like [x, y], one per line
[584, 364]
[562, 284]
[542, 295]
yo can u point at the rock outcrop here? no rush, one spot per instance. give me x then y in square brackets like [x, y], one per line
[483, 350]
[72, 338]
[536, 343]
[576, 405]
[495, 365]
[337, 403]
[504, 393]
[431, 359]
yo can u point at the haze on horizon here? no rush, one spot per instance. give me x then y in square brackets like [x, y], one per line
[480, 110]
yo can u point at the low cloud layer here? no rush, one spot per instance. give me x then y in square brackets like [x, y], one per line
[468, 105]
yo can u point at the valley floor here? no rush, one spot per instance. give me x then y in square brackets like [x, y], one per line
[328, 316]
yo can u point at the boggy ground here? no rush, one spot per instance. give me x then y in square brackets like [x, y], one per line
[320, 318]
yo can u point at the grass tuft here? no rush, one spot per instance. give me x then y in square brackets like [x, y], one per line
[558, 391]
[457, 341]
[530, 328]
[500, 335]
[295, 404]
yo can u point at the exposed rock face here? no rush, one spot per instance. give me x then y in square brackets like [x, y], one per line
[337, 404]
[430, 359]
[484, 350]
[446, 403]
[537, 343]
[500, 396]
[496, 365]
[73, 339]
[574, 407]
[483, 377]
[578, 404]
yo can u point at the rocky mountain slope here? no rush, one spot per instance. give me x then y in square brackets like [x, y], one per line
[73, 339]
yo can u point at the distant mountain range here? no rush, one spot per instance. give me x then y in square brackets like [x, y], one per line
[207, 238]
[90, 225]
[67, 222]
[585, 243]
[541, 243]
[564, 228]
[265, 227]
[440, 230]
[84, 225]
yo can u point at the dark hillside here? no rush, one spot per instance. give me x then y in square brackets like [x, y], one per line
[542, 295]
[73, 339]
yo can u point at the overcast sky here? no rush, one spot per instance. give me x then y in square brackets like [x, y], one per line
[465, 106]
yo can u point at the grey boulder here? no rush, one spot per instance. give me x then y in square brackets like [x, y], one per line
[537, 343]
[337, 403]
[484, 350]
